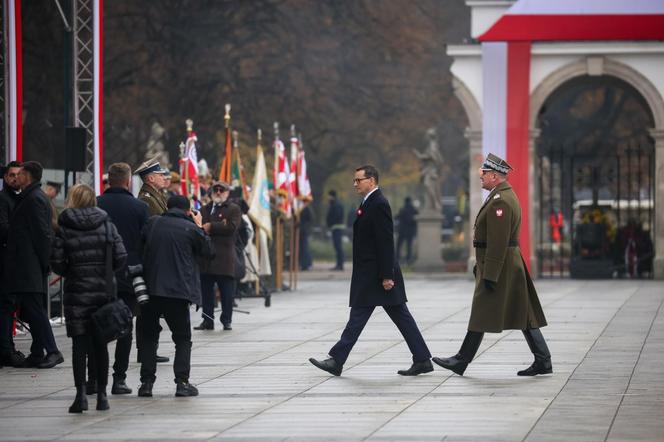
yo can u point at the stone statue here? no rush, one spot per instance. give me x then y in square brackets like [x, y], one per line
[431, 163]
[155, 146]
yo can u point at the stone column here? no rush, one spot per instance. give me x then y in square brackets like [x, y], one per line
[535, 223]
[658, 236]
[474, 138]
[429, 241]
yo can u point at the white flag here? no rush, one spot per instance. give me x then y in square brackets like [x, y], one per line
[259, 203]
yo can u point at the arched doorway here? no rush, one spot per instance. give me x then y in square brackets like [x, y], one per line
[595, 180]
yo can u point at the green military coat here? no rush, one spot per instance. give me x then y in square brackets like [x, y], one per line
[513, 304]
[155, 199]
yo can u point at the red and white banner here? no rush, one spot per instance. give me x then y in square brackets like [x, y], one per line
[98, 39]
[14, 81]
[189, 184]
[282, 187]
[542, 20]
[506, 55]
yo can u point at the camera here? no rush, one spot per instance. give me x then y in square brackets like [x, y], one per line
[137, 281]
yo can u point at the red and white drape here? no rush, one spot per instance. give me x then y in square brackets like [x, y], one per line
[506, 54]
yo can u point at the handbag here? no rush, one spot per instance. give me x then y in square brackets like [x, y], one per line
[113, 320]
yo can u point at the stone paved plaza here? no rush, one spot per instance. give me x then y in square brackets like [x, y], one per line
[606, 337]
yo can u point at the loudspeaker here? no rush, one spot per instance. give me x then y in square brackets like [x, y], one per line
[75, 139]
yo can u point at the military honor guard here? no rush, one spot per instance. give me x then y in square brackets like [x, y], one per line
[505, 297]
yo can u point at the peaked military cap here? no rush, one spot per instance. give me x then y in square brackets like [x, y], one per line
[496, 164]
[149, 166]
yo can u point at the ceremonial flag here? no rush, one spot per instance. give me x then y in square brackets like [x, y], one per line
[282, 178]
[259, 202]
[225, 172]
[303, 184]
[190, 186]
[238, 176]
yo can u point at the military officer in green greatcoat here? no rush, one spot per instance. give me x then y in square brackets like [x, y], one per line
[505, 297]
[153, 184]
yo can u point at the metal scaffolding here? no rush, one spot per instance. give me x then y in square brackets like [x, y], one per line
[83, 58]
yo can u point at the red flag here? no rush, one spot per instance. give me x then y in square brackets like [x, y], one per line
[282, 178]
[189, 184]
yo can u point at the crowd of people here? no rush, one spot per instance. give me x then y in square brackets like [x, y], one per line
[165, 256]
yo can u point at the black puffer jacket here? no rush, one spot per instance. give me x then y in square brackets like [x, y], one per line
[78, 254]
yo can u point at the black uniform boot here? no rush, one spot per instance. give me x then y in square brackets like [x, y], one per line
[102, 399]
[80, 402]
[537, 345]
[460, 361]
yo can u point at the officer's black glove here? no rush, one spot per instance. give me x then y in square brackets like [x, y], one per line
[490, 285]
[475, 270]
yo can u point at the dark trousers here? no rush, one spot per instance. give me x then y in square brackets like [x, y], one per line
[6, 325]
[337, 235]
[176, 314]
[408, 239]
[399, 314]
[226, 286]
[305, 254]
[86, 347]
[33, 312]
[123, 345]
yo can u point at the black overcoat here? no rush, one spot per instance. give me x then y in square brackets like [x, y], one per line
[172, 244]
[129, 215]
[79, 254]
[224, 224]
[373, 256]
[29, 243]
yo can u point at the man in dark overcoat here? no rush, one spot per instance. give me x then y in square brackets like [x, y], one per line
[376, 280]
[9, 195]
[29, 246]
[505, 297]
[221, 219]
[129, 215]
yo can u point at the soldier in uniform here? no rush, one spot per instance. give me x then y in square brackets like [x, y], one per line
[152, 194]
[505, 297]
[153, 183]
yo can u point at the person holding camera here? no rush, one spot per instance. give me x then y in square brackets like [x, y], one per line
[129, 215]
[221, 220]
[78, 254]
[171, 245]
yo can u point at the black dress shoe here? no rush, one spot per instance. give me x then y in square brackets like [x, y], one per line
[205, 325]
[51, 360]
[417, 368]
[32, 361]
[227, 326]
[454, 363]
[120, 387]
[13, 359]
[145, 390]
[328, 365]
[161, 359]
[538, 367]
[185, 389]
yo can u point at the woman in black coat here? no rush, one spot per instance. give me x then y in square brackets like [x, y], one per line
[79, 255]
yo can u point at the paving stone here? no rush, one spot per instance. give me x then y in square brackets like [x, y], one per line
[256, 384]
